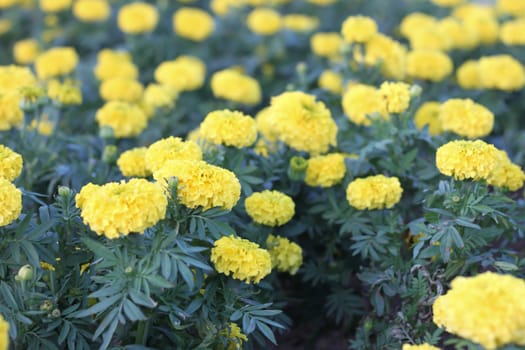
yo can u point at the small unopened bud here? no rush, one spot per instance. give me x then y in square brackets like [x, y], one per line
[297, 168]
[110, 154]
[415, 90]
[56, 313]
[128, 270]
[301, 68]
[64, 191]
[106, 132]
[47, 305]
[25, 273]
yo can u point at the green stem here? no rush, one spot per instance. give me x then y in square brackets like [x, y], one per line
[142, 332]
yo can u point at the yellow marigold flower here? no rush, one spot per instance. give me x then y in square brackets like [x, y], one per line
[502, 72]
[160, 96]
[485, 26]
[186, 73]
[466, 118]
[331, 81]
[416, 21]
[390, 54]
[115, 64]
[428, 65]
[464, 309]
[14, 78]
[43, 126]
[11, 163]
[52, 6]
[56, 62]
[396, 96]
[266, 124]
[303, 123]
[374, 192]
[25, 51]
[132, 163]
[201, 184]
[460, 36]
[4, 334]
[235, 86]
[121, 89]
[116, 209]
[467, 10]
[506, 174]
[92, 10]
[66, 93]
[468, 75]
[137, 18]
[513, 32]
[264, 21]
[511, 7]
[428, 114]
[47, 266]
[325, 171]
[270, 208]
[326, 44]
[430, 39]
[229, 128]
[300, 23]
[171, 148]
[193, 23]
[243, 259]
[358, 29]
[362, 103]
[127, 120]
[286, 256]
[463, 160]
[419, 347]
[10, 113]
[11, 199]
[447, 3]
[235, 336]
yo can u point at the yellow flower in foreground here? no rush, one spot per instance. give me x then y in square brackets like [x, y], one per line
[171, 148]
[358, 29]
[127, 120]
[243, 259]
[419, 347]
[511, 7]
[235, 86]
[56, 62]
[396, 96]
[92, 10]
[186, 73]
[4, 334]
[133, 163]
[466, 118]
[463, 160]
[325, 171]
[286, 256]
[11, 199]
[229, 128]
[25, 51]
[270, 208]
[264, 21]
[487, 309]
[428, 114]
[331, 81]
[362, 103]
[374, 192]
[10, 113]
[193, 23]
[137, 18]
[201, 184]
[10, 163]
[116, 209]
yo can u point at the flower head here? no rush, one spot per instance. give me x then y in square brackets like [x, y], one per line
[137, 18]
[286, 256]
[229, 128]
[466, 118]
[56, 62]
[133, 163]
[10, 163]
[11, 199]
[126, 119]
[270, 208]
[171, 148]
[186, 73]
[193, 23]
[358, 29]
[232, 85]
[326, 170]
[374, 192]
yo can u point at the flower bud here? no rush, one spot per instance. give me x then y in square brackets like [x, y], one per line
[297, 168]
[64, 191]
[25, 273]
[106, 132]
[110, 154]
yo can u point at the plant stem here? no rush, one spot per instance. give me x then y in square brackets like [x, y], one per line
[142, 333]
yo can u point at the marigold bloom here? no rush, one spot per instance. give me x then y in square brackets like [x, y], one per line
[374, 192]
[11, 163]
[463, 160]
[325, 171]
[14, 78]
[326, 44]
[132, 163]
[502, 72]
[466, 118]
[127, 120]
[160, 96]
[428, 114]
[116, 209]
[137, 18]
[4, 334]
[513, 32]
[171, 148]
[265, 121]
[10, 113]
[232, 85]
[388, 53]
[201, 184]
[43, 126]
[56, 62]
[234, 334]
[419, 347]
[331, 81]
[358, 29]
[486, 26]
[121, 89]
[396, 96]
[66, 93]
[264, 21]
[11, 199]
[362, 103]
[52, 6]
[186, 73]
[300, 23]
[460, 35]
[115, 64]
[428, 65]
[270, 208]
[286, 256]
[468, 75]
[303, 123]
[506, 174]
[511, 7]
[25, 51]
[416, 21]
[229, 128]
[464, 309]
[243, 259]
[193, 23]
[92, 10]
[430, 39]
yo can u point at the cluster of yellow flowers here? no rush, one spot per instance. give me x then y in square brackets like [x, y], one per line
[270, 208]
[374, 192]
[477, 160]
[201, 184]
[499, 72]
[11, 197]
[232, 85]
[286, 256]
[464, 309]
[116, 209]
[243, 259]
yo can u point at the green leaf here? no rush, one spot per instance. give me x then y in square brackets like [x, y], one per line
[99, 307]
[267, 332]
[99, 249]
[132, 312]
[140, 298]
